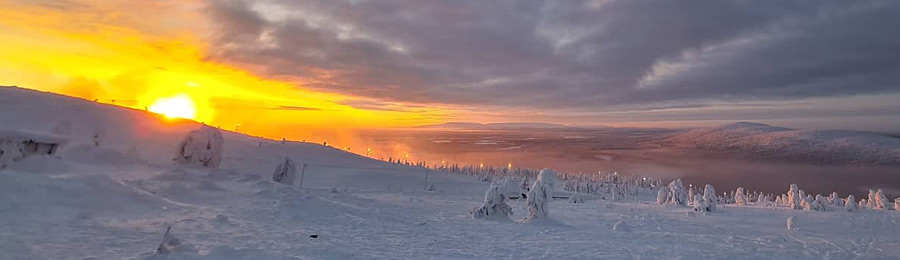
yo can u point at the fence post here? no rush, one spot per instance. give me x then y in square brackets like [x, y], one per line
[302, 172]
[426, 178]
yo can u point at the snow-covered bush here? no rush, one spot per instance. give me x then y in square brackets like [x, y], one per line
[794, 197]
[203, 147]
[677, 195]
[739, 197]
[709, 197]
[662, 197]
[494, 207]
[286, 172]
[540, 194]
[792, 223]
[850, 204]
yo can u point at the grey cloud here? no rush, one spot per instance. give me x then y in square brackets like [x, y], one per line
[568, 53]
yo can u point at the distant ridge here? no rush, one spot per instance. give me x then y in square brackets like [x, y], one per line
[497, 126]
[760, 141]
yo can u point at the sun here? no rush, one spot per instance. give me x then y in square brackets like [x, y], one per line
[179, 106]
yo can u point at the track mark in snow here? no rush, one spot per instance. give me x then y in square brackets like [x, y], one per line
[150, 194]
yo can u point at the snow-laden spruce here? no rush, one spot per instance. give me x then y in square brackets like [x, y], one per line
[699, 203]
[540, 194]
[739, 197]
[662, 197]
[494, 207]
[677, 194]
[286, 172]
[836, 200]
[897, 204]
[818, 204]
[202, 147]
[879, 202]
[850, 204]
[710, 198]
[794, 197]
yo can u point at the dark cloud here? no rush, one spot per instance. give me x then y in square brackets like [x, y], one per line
[564, 53]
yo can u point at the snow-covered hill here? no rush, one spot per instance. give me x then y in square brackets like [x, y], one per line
[116, 200]
[760, 141]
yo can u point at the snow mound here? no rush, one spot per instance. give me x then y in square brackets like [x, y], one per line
[219, 253]
[40, 164]
[90, 154]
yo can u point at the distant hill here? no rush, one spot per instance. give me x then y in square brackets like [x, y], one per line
[761, 141]
[497, 126]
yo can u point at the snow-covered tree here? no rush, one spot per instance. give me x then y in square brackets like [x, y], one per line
[523, 187]
[699, 203]
[794, 197]
[818, 204]
[881, 202]
[807, 200]
[203, 147]
[494, 207]
[870, 199]
[897, 204]
[286, 172]
[850, 203]
[706, 202]
[691, 195]
[540, 194]
[709, 197]
[677, 195]
[835, 200]
[662, 197]
[863, 204]
[739, 197]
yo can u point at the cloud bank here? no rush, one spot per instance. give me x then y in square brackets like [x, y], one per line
[567, 53]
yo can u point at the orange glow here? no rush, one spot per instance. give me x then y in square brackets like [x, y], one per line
[156, 57]
[180, 106]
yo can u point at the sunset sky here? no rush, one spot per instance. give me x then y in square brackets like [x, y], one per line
[274, 66]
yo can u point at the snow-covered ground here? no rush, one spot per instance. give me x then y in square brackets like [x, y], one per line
[116, 201]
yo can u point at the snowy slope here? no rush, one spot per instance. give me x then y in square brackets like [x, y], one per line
[115, 202]
[760, 141]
